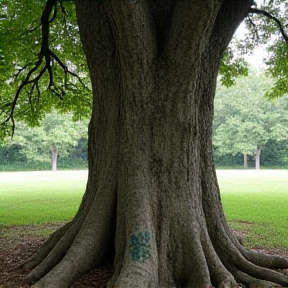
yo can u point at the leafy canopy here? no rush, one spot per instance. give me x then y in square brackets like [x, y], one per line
[244, 119]
[21, 40]
[55, 132]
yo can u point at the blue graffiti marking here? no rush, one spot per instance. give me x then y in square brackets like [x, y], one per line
[140, 247]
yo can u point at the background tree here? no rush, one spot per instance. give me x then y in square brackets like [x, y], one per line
[275, 154]
[56, 135]
[152, 202]
[245, 121]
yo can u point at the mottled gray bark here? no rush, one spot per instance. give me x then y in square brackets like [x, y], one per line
[152, 192]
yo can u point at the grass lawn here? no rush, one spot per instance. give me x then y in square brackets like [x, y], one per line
[28, 198]
[256, 202]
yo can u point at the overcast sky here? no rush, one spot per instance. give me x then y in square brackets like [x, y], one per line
[256, 59]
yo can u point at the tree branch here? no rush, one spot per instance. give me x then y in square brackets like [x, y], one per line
[55, 10]
[229, 17]
[276, 20]
[254, 27]
[44, 62]
[20, 70]
[25, 82]
[62, 8]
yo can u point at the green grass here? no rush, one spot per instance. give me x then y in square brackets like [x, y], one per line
[255, 202]
[28, 198]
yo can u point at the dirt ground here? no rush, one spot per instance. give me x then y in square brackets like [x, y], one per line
[18, 243]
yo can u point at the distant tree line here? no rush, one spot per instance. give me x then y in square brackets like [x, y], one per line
[273, 155]
[12, 159]
[249, 130]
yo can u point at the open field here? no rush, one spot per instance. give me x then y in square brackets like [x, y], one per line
[255, 202]
[28, 198]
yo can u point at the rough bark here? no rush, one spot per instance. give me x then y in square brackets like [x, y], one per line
[152, 202]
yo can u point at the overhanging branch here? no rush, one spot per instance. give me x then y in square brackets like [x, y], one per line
[44, 62]
[254, 27]
[275, 19]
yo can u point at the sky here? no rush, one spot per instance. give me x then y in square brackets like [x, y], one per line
[256, 59]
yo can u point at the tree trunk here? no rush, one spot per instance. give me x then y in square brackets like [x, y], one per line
[245, 156]
[54, 157]
[152, 202]
[257, 157]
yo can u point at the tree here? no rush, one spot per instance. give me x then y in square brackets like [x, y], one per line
[57, 134]
[245, 121]
[275, 154]
[20, 35]
[152, 204]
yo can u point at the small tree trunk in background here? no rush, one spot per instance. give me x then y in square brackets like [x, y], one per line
[54, 156]
[245, 160]
[257, 157]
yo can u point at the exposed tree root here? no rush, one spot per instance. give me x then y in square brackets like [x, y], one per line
[263, 260]
[43, 251]
[55, 255]
[85, 245]
[155, 247]
[245, 265]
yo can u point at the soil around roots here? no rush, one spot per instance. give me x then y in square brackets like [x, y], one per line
[18, 243]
